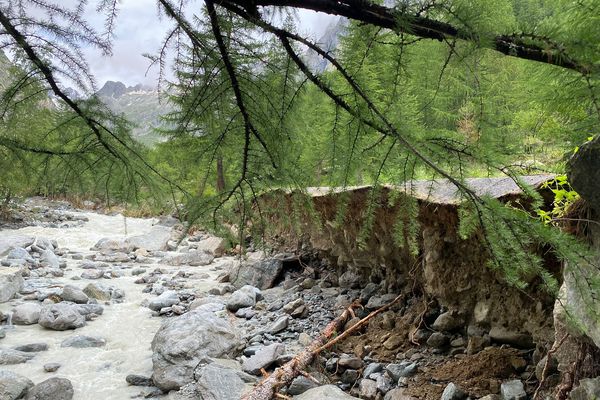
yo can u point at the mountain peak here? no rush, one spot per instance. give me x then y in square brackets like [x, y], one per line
[117, 89]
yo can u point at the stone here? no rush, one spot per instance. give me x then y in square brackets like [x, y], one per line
[74, 294]
[513, 390]
[261, 274]
[350, 362]
[349, 280]
[437, 340]
[82, 341]
[92, 274]
[398, 394]
[588, 389]
[60, 317]
[453, 392]
[218, 382]
[404, 369]
[51, 389]
[350, 376]
[13, 386]
[181, 342]
[394, 341]
[372, 369]
[107, 245]
[155, 240]
[447, 321]
[138, 380]
[10, 356]
[263, 358]
[212, 245]
[301, 384]
[19, 253]
[279, 325]
[51, 367]
[368, 389]
[502, 335]
[11, 282]
[242, 298]
[32, 347]
[477, 343]
[166, 299]
[49, 259]
[97, 291]
[329, 392]
[89, 309]
[26, 314]
[193, 258]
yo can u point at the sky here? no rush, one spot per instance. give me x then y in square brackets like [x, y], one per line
[140, 30]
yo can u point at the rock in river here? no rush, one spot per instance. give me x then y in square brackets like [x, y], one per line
[26, 314]
[61, 316]
[13, 386]
[51, 389]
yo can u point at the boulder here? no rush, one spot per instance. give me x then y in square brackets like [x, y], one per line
[329, 392]
[61, 316]
[263, 358]
[26, 314]
[513, 390]
[217, 382]
[213, 245]
[11, 282]
[51, 389]
[261, 274]
[194, 258]
[447, 321]
[49, 259]
[181, 342]
[82, 341]
[166, 299]
[13, 386]
[10, 356]
[453, 392]
[107, 245]
[242, 298]
[19, 253]
[155, 240]
[10, 241]
[97, 291]
[74, 294]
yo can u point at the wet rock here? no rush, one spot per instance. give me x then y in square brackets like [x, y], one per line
[329, 392]
[502, 335]
[301, 384]
[513, 390]
[368, 389]
[194, 258]
[11, 282]
[97, 291]
[242, 298]
[61, 317]
[447, 321]
[181, 342]
[74, 294]
[261, 274]
[166, 299]
[263, 358]
[26, 314]
[51, 389]
[13, 386]
[89, 309]
[51, 367]
[32, 347]
[10, 356]
[588, 389]
[372, 369]
[138, 380]
[217, 382]
[453, 392]
[49, 259]
[82, 341]
[279, 325]
[19, 253]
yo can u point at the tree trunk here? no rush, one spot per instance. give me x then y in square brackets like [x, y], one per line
[220, 175]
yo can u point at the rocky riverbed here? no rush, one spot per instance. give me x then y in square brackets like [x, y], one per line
[105, 307]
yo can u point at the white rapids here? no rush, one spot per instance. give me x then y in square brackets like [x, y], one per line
[128, 327]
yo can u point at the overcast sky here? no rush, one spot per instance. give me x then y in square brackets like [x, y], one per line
[139, 30]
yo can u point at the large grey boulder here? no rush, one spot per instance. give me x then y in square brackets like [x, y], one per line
[194, 258]
[51, 389]
[213, 245]
[19, 253]
[217, 382]
[107, 245]
[155, 240]
[329, 392]
[13, 386]
[242, 298]
[61, 316]
[49, 259]
[26, 314]
[10, 241]
[182, 342]
[11, 282]
[166, 299]
[588, 389]
[261, 274]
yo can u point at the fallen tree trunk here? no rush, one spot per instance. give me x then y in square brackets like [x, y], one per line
[284, 375]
